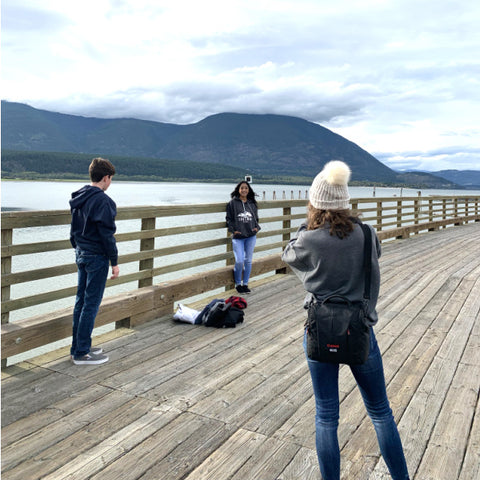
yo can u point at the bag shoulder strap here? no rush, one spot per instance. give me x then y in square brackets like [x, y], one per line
[367, 259]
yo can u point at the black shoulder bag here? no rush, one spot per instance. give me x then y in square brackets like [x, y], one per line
[337, 329]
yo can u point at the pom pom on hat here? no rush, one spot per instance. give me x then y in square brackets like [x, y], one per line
[329, 190]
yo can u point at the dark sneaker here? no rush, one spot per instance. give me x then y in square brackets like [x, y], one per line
[90, 359]
[93, 351]
[240, 288]
[246, 289]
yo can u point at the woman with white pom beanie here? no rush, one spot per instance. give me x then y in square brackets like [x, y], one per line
[327, 255]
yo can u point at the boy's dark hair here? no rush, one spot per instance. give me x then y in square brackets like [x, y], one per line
[99, 168]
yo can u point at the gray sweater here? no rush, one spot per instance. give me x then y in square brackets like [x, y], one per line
[328, 265]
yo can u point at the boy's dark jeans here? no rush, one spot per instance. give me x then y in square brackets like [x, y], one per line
[92, 276]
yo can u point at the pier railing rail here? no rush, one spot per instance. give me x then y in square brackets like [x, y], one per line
[154, 254]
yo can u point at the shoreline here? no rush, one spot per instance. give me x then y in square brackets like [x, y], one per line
[261, 181]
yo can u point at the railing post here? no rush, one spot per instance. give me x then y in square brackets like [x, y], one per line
[430, 214]
[399, 213]
[455, 209]
[416, 208]
[7, 237]
[354, 206]
[286, 224]
[145, 245]
[379, 215]
[230, 261]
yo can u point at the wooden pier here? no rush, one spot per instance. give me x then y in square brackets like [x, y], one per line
[187, 402]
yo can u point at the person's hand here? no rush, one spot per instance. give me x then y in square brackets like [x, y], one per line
[115, 272]
[255, 229]
[236, 232]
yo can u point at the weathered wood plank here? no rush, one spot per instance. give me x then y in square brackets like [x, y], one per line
[27, 426]
[471, 461]
[198, 445]
[230, 457]
[58, 437]
[268, 460]
[304, 465]
[39, 394]
[184, 436]
[114, 447]
[446, 447]
[204, 349]
[423, 411]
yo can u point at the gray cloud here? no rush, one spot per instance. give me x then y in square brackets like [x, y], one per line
[24, 19]
[399, 77]
[456, 158]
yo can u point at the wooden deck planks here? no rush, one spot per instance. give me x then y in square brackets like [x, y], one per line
[70, 438]
[186, 402]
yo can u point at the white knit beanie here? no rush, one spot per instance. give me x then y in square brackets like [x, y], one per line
[329, 190]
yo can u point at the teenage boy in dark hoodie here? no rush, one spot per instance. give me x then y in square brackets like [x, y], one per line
[92, 235]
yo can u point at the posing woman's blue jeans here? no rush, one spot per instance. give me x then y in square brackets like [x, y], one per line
[243, 251]
[370, 379]
[92, 276]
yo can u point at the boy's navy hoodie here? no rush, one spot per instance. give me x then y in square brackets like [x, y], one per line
[93, 222]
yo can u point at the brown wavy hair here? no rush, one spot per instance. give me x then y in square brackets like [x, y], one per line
[340, 222]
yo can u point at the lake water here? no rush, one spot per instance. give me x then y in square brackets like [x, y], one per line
[24, 195]
[55, 195]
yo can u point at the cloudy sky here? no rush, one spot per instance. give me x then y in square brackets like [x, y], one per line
[401, 78]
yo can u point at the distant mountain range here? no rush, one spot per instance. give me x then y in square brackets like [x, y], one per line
[466, 178]
[262, 145]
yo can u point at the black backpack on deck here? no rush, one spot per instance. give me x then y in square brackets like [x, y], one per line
[220, 314]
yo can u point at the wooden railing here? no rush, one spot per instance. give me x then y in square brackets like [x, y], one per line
[168, 254]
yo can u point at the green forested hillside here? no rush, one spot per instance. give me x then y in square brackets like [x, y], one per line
[222, 147]
[70, 166]
[263, 144]
[37, 165]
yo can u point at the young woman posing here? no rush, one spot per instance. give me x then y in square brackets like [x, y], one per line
[242, 223]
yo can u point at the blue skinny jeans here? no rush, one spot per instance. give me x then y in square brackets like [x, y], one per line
[371, 381]
[243, 251]
[92, 276]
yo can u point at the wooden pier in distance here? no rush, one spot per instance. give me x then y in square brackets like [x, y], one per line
[184, 402]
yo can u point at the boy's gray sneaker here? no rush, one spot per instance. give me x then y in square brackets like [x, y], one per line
[90, 359]
[93, 351]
